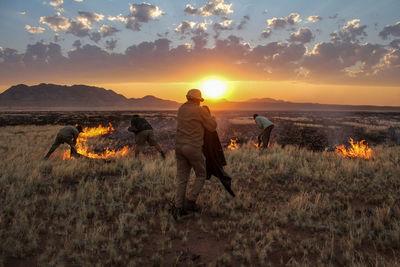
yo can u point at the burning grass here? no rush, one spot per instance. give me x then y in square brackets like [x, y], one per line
[82, 146]
[292, 207]
[356, 150]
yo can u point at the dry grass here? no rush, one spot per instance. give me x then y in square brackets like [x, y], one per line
[293, 207]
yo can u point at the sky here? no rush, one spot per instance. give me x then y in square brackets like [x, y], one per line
[330, 51]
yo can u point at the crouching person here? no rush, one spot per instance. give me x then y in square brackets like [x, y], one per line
[67, 135]
[192, 120]
[143, 133]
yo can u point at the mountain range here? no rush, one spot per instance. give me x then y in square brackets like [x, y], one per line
[82, 97]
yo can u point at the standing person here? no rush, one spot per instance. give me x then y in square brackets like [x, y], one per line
[192, 120]
[143, 133]
[215, 158]
[68, 135]
[266, 127]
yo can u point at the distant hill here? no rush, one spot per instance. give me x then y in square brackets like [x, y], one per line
[84, 97]
[270, 104]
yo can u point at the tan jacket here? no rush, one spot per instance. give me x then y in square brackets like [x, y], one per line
[192, 119]
[69, 132]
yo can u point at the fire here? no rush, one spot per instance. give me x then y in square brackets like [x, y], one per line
[233, 145]
[357, 150]
[82, 147]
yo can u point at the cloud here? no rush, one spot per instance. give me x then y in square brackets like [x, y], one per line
[111, 44]
[22, 13]
[280, 23]
[34, 30]
[266, 33]
[95, 36]
[303, 35]
[314, 18]
[185, 27]
[78, 28]
[334, 16]
[106, 30]
[56, 22]
[350, 32]
[89, 17]
[78, 0]
[117, 18]
[388, 30]
[212, 7]
[243, 22]
[224, 25]
[141, 13]
[57, 4]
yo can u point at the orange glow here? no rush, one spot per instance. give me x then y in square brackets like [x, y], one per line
[233, 145]
[357, 150]
[82, 147]
[213, 88]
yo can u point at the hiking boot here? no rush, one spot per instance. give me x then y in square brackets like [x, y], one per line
[190, 205]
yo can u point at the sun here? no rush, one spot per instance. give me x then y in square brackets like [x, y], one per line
[213, 88]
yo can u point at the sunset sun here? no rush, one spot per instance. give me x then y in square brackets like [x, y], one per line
[213, 88]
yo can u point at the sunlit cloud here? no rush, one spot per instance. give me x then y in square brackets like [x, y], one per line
[57, 4]
[141, 13]
[106, 30]
[185, 27]
[351, 31]
[34, 30]
[314, 18]
[22, 13]
[212, 7]
[89, 17]
[56, 22]
[120, 18]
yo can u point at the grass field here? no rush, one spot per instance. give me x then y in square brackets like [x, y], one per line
[293, 207]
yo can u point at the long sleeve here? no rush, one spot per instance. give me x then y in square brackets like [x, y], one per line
[208, 121]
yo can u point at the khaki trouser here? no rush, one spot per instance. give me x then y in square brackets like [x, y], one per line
[266, 134]
[188, 157]
[61, 140]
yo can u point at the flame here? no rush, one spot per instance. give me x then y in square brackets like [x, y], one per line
[357, 150]
[233, 145]
[82, 147]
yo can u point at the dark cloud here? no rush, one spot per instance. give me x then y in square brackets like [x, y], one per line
[280, 23]
[106, 30]
[212, 7]
[78, 28]
[243, 22]
[303, 35]
[333, 16]
[95, 36]
[111, 44]
[388, 30]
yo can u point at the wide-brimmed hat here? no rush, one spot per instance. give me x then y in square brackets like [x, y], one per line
[194, 94]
